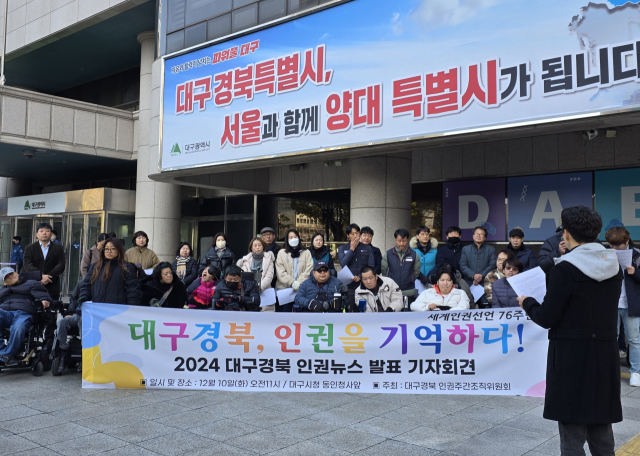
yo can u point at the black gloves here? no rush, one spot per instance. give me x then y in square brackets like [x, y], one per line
[316, 306]
[424, 279]
[388, 309]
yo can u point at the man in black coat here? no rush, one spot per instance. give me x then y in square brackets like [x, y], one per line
[451, 251]
[46, 257]
[236, 294]
[581, 311]
[553, 248]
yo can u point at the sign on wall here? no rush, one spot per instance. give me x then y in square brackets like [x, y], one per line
[536, 202]
[497, 352]
[50, 203]
[369, 71]
[618, 200]
[468, 204]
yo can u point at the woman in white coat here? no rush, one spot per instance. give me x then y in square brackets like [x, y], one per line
[293, 266]
[259, 260]
[443, 296]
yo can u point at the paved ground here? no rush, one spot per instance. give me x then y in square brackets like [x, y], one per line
[53, 415]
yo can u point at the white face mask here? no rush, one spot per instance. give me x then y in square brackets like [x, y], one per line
[294, 242]
[221, 244]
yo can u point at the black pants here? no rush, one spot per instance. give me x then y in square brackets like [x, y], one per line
[598, 436]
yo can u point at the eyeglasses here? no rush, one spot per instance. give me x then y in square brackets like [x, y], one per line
[110, 250]
[510, 268]
[322, 271]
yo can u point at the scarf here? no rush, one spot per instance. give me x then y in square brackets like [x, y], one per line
[181, 266]
[257, 260]
[295, 253]
[319, 253]
[183, 261]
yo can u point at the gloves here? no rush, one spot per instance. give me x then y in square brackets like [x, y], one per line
[295, 285]
[316, 306]
[388, 309]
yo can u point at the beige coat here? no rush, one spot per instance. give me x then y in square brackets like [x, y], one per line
[284, 268]
[267, 268]
[88, 258]
[144, 256]
[389, 293]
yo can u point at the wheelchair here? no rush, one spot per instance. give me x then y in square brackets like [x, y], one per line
[35, 348]
[75, 349]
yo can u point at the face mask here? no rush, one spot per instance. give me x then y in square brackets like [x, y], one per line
[221, 244]
[294, 242]
[454, 240]
[232, 285]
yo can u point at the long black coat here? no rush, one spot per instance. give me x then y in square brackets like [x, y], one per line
[449, 254]
[54, 264]
[549, 250]
[583, 364]
[115, 290]
[227, 259]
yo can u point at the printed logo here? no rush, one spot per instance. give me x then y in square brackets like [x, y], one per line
[27, 206]
[175, 150]
[36, 205]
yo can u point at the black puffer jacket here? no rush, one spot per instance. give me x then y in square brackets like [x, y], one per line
[248, 297]
[450, 254]
[152, 289]
[192, 271]
[115, 290]
[227, 259]
[23, 295]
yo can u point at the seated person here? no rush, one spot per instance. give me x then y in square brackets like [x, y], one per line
[497, 273]
[316, 293]
[381, 293]
[201, 291]
[72, 319]
[443, 295]
[164, 289]
[17, 305]
[503, 294]
[236, 294]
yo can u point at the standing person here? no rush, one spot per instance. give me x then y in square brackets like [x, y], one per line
[140, 253]
[477, 259]
[185, 266]
[381, 293]
[293, 266]
[629, 304]
[355, 255]
[366, 237]
[580, 310]
[320, 252]
[269, 237]
[503, 294]
[522, 253]
[17, 253]
[427, 249]
[93, 254]
[450, 252]
[262, 264]
[497, 273]
[219, 255]
[54, 237]
[553, 248]
[402, 264]
[164, 288]
[46, 257]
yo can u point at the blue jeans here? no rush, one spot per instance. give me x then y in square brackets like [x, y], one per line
[632, 330]
[18, 321]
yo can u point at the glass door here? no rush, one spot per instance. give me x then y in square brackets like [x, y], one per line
[75, 248]
[6, 243]
[24, 229]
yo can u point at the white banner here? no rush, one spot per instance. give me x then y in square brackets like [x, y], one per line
[51, 203]
[498, 352]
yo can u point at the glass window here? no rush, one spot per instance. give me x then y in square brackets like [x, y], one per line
[123, 226]
[299, 5]
[175, 41]
[239, 3]
[198, 10]
[272, 9]
[195, 34]
[175, 15]
[426, 208]
[245, 17]
[240, 205]
[220, 26]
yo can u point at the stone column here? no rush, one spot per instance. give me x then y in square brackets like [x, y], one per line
[381, 195]
[157, 204]
[12, 186]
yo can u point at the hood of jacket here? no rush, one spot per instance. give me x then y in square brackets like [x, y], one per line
[593, 260]
[413, 243]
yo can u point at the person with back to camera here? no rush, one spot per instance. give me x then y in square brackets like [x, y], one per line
[580, 310]
[140, 253]
[444, 295]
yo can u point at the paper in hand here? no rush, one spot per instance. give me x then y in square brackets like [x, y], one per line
[286, 296]
[477, 291]
[345, 276]
[267, 297]
[625, 257]
[532, 283]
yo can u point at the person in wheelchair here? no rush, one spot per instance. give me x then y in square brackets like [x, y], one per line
[316, 294]
[72, 319]
[234, 293]
[443, 295]
[19, 301]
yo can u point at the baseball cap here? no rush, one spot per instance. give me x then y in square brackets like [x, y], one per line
[516, 232]
[320, 264]
[5, 272]
[267, 229]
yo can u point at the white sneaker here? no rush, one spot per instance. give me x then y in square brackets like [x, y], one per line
[634, 380]
[623, 354]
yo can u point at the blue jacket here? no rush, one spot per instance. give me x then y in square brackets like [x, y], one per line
[310, 289]
[503, 294]
[17, 254]
[356, 260]
[427, 256]
[526, 255]
[477, 261]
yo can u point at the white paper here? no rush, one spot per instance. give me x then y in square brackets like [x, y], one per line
[531, 283]
[624, 257]
[286, 296]
[477, 291]
[267, 297]
[420, 287]
[345, 276]
[148, 271]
